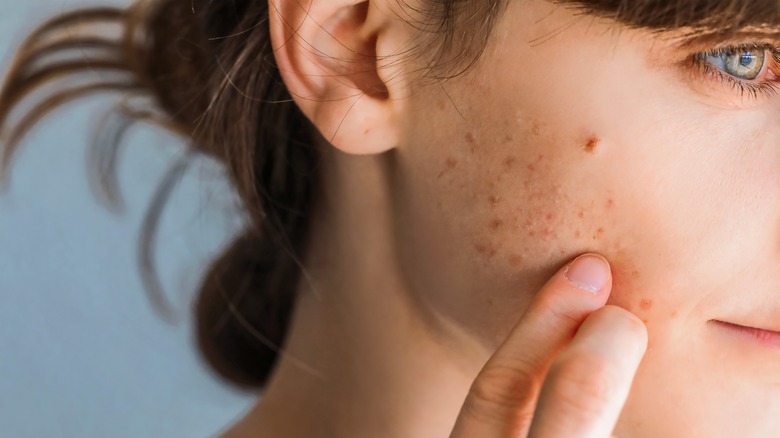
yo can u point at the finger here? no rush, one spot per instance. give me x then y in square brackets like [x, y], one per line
[502, 399]
[589, 382]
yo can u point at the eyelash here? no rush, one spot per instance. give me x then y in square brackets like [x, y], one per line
[753, 89]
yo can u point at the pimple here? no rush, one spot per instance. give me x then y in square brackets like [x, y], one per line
[591, 144]
[581, 214]
[531, 167]
[549, 216]
[493, 199]
[610, 203]
[578, 234]
[646, 304]
[496, 224]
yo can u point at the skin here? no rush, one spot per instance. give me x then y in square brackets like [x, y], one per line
[445, 208]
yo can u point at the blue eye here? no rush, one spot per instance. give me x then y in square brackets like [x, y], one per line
[742, 64]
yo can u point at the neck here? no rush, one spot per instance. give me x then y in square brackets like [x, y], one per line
[360, 358]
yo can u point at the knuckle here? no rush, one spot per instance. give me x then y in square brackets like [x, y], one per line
[583, 386]
[502, 393]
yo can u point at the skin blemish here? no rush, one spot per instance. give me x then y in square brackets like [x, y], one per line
[674, 314]
[509, 162]
[496, 224]
[449, 164]
[591, 144]
[581, 214]
[493, 199]
[485, 250]
[578, 234]
[610, 203]
[516, 260]
[536, 128]
[531, 167]
[509, 139]
[471, 140]
[646, 304]
[540, 157]
[598, 234]
[549, 216]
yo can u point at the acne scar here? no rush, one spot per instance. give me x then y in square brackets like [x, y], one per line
[485, 249]
[646, 304]
[509, 162]
[516, 260]
[591, 144]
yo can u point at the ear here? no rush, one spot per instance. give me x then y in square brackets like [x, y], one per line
[328, 53]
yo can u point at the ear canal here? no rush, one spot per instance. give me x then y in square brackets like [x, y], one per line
[348, 55]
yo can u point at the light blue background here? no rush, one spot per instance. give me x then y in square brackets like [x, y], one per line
[82, 353]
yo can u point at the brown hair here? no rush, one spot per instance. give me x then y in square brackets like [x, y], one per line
[209, 70]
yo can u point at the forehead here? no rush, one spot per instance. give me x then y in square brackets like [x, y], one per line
[723, 15]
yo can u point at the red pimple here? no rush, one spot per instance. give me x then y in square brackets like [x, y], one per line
[645, 304]
[591, 144]
[549, 216]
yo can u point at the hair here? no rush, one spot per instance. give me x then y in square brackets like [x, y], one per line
[208, 69]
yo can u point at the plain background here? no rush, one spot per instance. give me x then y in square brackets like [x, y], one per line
[82, 353]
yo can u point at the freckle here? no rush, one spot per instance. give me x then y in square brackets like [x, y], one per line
[610, 203]
[635, 274]
[442, 105]
[470, 138]
[591, 144]
[531, 233]
[674, 314]
[496, 224]
[493, 201]
[549, 216]
[600, 231]
[645, 321]
[531, 167]
[516, 260]
[451, 163]
[563, 252]
[367, 131]
[581, 214]
[509, 139]
[577, 234]
[645, 304]
[490, 301]
[509, 162]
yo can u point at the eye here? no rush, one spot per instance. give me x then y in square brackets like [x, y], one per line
[744, 64]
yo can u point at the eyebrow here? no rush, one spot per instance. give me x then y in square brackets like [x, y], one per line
[713, 16]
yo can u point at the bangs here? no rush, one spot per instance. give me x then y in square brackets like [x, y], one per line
[722, 16]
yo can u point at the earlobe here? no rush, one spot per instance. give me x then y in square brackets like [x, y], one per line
[327, 55]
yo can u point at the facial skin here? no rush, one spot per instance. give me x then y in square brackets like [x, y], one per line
[571, 134]
[592, 140]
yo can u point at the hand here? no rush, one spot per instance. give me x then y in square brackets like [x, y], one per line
[566, 368]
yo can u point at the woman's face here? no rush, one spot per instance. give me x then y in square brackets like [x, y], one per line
[575, 134]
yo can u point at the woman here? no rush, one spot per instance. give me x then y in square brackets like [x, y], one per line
[419, 175]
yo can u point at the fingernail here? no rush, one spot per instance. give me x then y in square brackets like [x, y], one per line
[589, 272]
